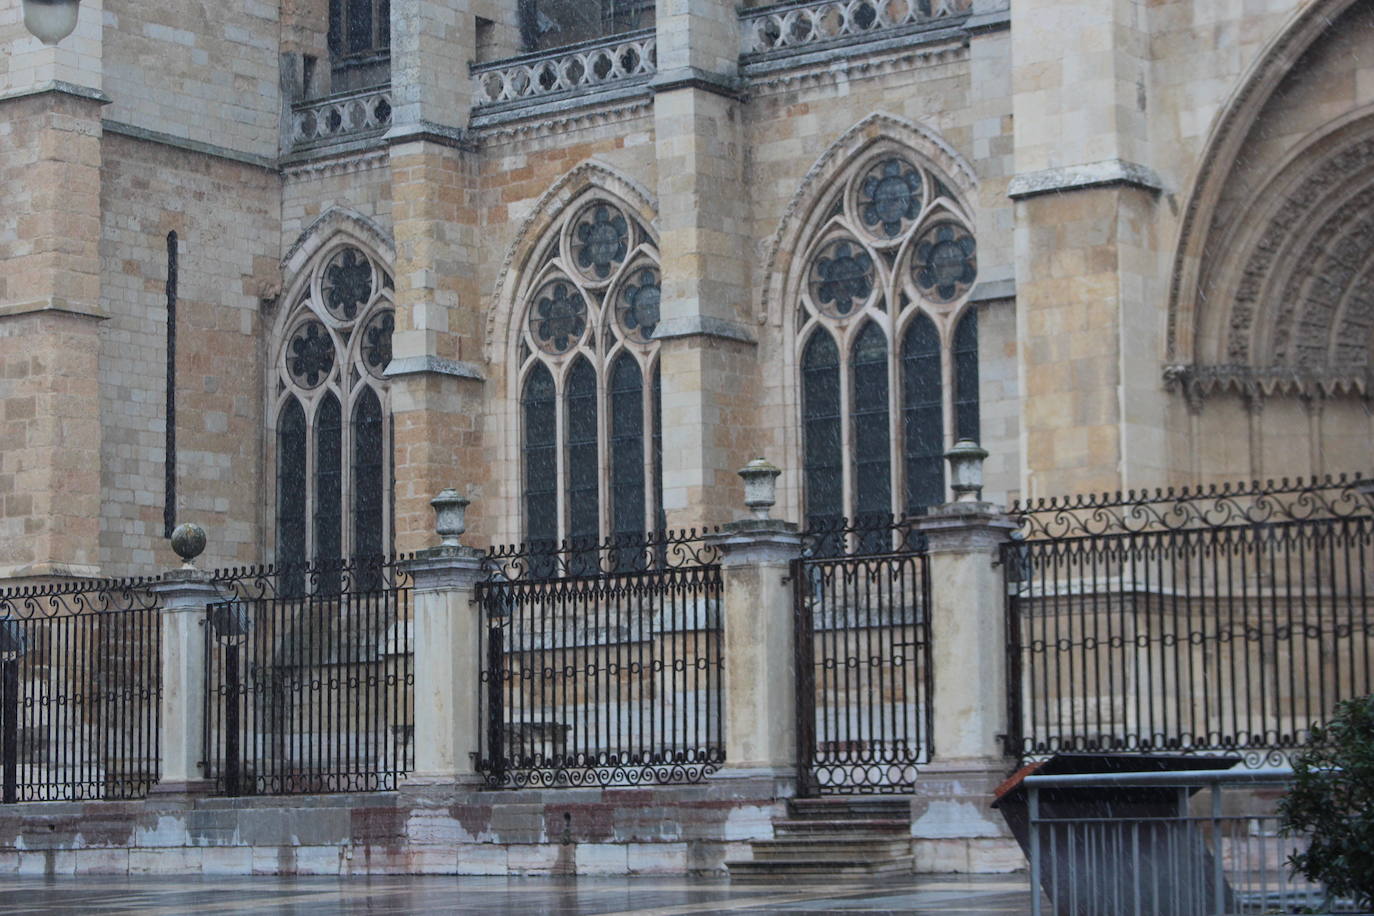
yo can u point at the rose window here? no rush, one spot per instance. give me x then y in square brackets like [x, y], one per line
[638, 307]
[347, 283]
[842, 278]
[890, 197]
[945, 262]
[601, 237]
[310, 354]
[558, 317]
[376, 343]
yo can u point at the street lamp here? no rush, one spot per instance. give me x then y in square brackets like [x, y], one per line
[51, 20]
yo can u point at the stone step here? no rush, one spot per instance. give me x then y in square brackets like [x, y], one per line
[760, 871]
[849, 808]
[798, 827]
[799, 849]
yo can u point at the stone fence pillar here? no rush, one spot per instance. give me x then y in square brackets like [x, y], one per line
[760, 686]
[954, 828]
[183, 594]
[448, 662]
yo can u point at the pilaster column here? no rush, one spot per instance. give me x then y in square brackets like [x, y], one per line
[436, 350]
[954, 829]
[448, 663]
[760, 660]
[50, 159]
[708, 357]
[1088, 284]
[184, 595]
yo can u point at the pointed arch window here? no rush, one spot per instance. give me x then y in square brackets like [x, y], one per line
[883, 278]
[332, 409]
[592, 441]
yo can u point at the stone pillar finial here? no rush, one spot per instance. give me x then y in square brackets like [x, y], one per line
[188, 542]
[760, 486]
[450, 516]
[966, 470]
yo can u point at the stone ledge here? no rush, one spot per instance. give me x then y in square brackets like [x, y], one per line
[1107, 173]
[702, 326]
[420, 365]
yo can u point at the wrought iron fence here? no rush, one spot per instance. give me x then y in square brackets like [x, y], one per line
[1191, 844]
[80, 685]
[863, 657]
[309, 679]
[603, 663]
[1227, 620]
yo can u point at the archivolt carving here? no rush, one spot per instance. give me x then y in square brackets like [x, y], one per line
[533, 229]
[801, 212]
[1223, 147]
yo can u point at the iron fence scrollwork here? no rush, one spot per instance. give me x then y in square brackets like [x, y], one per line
[80, 690]
[602, 662]
[861, 596]
[1225, 620]
[309, 676]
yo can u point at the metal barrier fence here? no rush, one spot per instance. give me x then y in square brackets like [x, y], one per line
[1193, 843]
[309, 679]
[863, 658]
[603, 663]
[80, 684]
[1224, 621]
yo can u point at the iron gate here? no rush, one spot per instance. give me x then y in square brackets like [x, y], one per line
[863, 669]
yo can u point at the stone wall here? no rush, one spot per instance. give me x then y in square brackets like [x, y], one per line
[226, 215]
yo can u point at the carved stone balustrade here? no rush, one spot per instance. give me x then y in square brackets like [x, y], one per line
[358, 114]
[626, 59]
[792, 27]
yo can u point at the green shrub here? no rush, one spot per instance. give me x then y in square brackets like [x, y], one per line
[1332, 803]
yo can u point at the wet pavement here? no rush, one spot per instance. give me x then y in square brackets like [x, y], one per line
[428, 896]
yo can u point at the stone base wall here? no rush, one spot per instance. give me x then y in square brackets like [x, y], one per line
[419, 830]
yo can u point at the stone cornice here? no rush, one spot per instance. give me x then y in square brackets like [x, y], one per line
[553, 118]
[720, 84]
[1199, 382]
[828, 68]
[186, 144]
[1107, 173]
[702, 326]
[60, 87]
[433, 365]
[429, 132]
[339, 165]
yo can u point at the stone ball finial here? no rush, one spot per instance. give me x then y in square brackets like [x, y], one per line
[760, 486]
[966, 470]
[188, 542]
[450, 516]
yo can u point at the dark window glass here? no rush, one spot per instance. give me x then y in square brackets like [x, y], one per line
[966, 377]
[359, 26]
[627, 454]
[922, 417]
[367, 488]
[660, 517]
[541, 469]
[824, 468]
[291, 494]
[329, 490]
[872, 448]
[584, 524]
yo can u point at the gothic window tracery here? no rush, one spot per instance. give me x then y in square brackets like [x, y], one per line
[591, 442]
[887, 345]
[332, 412]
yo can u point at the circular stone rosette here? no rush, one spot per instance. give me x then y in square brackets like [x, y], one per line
[558, 316]
[945, 262]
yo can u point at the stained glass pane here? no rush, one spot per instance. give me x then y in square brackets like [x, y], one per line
[359, 26]
[329, 488]
[291, 493]
[541, 468]
[872, 442]
[627, 453]
[923, 426]
[368, 500]
[824, 467]
[660, 517]
[966, 421]
[584, 503]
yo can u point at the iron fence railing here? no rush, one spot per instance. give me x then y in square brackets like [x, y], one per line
[1223, 621]
[861, 594]
[80, 689]
[309, 679]
[603, 663]
[1196, 843]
